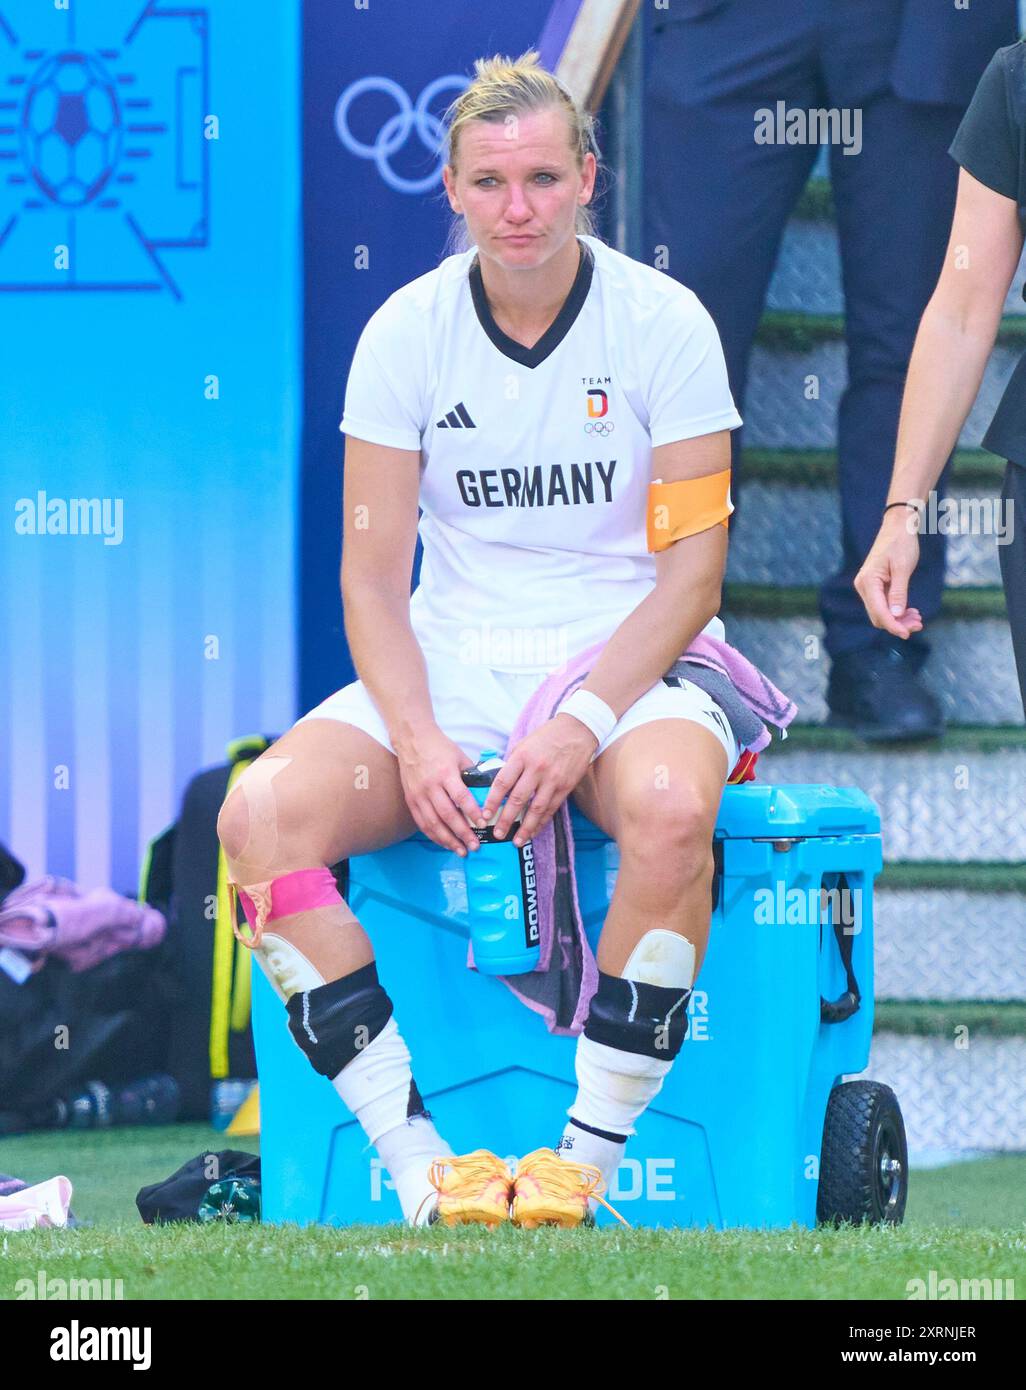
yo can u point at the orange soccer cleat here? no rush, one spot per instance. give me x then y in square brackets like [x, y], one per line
[474, 1187]
[551, 1191]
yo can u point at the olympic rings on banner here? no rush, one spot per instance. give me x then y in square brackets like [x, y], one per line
[396, 130]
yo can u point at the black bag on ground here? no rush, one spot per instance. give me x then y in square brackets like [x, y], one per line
[115, 1017]
[178, 1197]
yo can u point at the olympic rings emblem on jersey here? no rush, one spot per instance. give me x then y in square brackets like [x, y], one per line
[599, 427]
[396, 130]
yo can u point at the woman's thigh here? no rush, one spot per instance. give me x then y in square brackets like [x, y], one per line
[661, 758]
[330, 787]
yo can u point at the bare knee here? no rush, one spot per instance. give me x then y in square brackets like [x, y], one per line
[233, 823]
[666, 839]
[260, 823]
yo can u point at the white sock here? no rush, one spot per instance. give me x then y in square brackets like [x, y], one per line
[378, 1087]
[613, 1089]
[584, 1147]
[377, 1083]
[407, 1152]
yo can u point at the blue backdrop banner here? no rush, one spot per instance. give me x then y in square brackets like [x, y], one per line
[150, 287]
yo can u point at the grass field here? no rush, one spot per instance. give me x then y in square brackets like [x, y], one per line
[966, 1221]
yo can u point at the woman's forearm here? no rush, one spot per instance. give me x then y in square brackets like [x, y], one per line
[944, 375]
[388, 659]
[648, 641]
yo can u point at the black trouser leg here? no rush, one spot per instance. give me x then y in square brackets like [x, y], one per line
[1013, 565]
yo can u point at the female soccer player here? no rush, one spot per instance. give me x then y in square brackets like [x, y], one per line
[954, 340]
[525, 394]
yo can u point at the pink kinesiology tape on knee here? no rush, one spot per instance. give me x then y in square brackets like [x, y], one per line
[299, 891]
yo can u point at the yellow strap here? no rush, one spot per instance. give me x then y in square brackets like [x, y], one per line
[144, 871]
[241, 987]
[686, 507]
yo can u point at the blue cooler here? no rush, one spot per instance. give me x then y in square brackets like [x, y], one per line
[753, 1126]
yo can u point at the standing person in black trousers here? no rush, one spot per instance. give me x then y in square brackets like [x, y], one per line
[951, 350]
[719, 202]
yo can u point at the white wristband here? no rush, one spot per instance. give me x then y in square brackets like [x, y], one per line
[591, 711]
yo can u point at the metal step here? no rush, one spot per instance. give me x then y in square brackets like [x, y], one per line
[955, 801]
[777, 414]
[792, 531]
[807, 275]
[949, 943]
[952, 1097]
[971, 666]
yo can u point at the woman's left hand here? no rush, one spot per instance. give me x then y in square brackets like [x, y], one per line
[545, 766]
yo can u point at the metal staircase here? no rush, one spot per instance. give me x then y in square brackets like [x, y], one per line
[951, 903]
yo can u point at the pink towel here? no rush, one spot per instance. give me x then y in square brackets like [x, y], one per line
[46, 1204]
[53, 916]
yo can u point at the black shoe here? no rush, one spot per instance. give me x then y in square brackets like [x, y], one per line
[874, 692]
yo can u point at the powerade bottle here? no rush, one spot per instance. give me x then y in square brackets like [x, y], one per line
[502, 889]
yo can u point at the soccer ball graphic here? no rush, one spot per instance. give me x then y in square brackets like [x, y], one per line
[71, 128]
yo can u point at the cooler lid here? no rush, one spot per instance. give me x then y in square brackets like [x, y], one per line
[762, 810]
[757, 810]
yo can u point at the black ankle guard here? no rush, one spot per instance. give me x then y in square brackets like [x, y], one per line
[648, 1019]
[334, 1022]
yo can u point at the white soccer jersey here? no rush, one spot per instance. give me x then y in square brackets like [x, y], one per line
[536, 462]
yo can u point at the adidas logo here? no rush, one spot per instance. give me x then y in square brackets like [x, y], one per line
[458, 419]
[720, 720]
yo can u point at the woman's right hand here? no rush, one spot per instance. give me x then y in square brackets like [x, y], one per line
[882, 582]
[439, 801]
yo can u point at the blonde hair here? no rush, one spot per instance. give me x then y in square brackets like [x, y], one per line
[504, 87]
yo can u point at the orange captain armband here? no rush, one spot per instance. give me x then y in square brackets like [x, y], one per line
[684, 508]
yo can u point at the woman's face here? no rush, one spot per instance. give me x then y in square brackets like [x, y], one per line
[519, 186]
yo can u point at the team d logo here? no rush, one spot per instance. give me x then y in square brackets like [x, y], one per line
[598, 409]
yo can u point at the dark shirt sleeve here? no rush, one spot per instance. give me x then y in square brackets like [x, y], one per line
[987, 141]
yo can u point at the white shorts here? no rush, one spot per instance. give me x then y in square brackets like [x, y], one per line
[478, 708]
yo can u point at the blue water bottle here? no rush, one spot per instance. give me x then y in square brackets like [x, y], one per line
[502, 889]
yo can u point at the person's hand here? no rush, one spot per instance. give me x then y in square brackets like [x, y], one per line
[439, 800]
[882, 582]
[545, 766]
